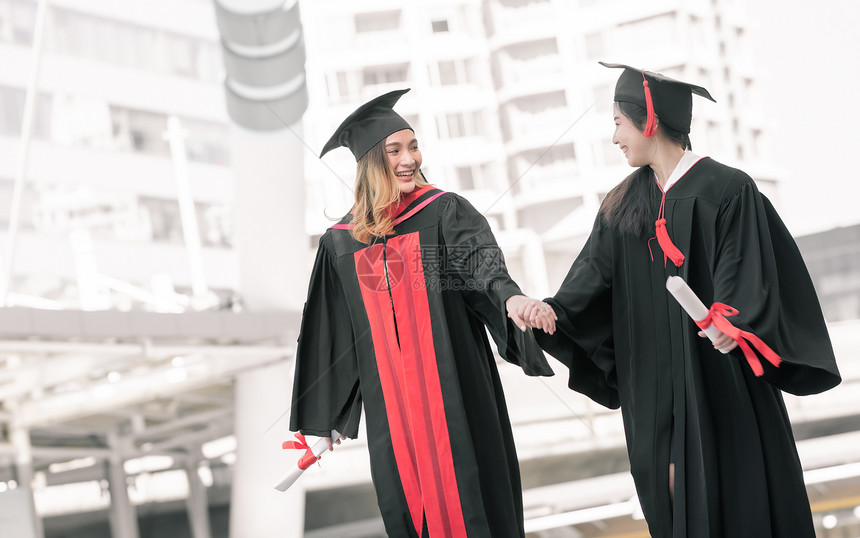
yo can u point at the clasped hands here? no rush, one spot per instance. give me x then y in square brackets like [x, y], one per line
[528, 312]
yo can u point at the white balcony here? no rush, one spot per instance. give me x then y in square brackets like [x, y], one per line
[115, 171]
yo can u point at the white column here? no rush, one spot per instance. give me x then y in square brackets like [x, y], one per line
[197, 501]
[122, 514]
[20, 438]
[175, 136]
[273, 253]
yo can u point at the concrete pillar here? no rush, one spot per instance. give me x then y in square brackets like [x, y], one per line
[273, 251]
[122, 514]
[197, 501]
[20, 438]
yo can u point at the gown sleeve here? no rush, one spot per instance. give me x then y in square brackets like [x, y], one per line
[583, 304]
[326, 391]
[759, 271]
[475, 259]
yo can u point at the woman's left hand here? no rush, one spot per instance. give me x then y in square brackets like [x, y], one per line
[541, 316]
[528, 312]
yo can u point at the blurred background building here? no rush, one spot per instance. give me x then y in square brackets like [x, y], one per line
[134, 334]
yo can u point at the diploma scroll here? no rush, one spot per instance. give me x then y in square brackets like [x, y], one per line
[691, 304]
[312, 454]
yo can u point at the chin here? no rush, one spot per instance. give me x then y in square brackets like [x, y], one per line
[406, 188]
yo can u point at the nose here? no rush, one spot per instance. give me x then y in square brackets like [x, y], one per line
[614, 137]
[406, 160]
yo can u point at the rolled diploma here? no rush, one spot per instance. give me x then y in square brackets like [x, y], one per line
[293, 474]
[690, 303]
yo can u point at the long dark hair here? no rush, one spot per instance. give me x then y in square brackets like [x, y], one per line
[627, 207]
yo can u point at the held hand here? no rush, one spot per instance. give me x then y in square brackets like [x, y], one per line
[515, 305]
[527, 312]
[541, 316]
[723, 343]
[330, 444]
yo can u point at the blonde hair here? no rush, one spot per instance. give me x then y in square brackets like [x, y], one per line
[376, 192]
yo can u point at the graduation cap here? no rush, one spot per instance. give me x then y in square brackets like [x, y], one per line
[371, 123]
[670, 99]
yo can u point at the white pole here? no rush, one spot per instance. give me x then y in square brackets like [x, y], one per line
[176, 136]
[23, 151]
[273, 252]
[20, 440]
[197, 502]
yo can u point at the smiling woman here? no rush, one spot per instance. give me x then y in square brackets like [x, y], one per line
[404, 158]
[709, 441]
[403, 291]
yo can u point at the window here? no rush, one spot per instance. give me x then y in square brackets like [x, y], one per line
[451, 72]
[341, 86]
[11, 110]
[148, 48]
[207, 142]
[461, 124]
[146, 130]
[439, 26]
[478, 128]
[456, 125]
[380, 21]
[386, 74]
[12, 113]
[465, 177]
[23, 22]
[447, 73]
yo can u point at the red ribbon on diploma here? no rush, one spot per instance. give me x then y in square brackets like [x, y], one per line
[309, 458]
[717, 316]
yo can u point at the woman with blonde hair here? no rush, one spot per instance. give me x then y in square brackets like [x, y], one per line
[402, 290]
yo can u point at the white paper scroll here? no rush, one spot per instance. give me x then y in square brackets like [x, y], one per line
[691, 304]
[293, 474]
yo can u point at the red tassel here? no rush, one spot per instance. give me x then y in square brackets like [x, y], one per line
[662, 236]
[717, 315]
[669, 248]
[651, 121]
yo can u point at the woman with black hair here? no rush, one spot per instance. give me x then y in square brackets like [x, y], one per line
[710, 443]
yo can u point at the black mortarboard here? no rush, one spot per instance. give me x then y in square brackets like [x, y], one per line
[371, 123]
[671, 100]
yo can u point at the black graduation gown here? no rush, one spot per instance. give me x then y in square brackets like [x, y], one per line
[400, 326]
[628, 343]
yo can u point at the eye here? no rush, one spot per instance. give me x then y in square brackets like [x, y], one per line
[392, 152]
[414, 148]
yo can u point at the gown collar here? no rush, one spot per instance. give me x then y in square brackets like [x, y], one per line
[688, 159]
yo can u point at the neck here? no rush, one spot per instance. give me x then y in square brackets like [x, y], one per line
[665, 160]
